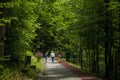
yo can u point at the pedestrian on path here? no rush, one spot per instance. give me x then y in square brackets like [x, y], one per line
[52, 56]
[46, 56]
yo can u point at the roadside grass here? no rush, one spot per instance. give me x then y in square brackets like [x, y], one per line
[76, 65]
[30, 71]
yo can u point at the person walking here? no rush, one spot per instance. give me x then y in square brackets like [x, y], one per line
[52, 56]
[46, 56]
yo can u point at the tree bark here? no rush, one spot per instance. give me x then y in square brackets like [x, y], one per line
[97, 57]
[2, 39]
[2, 28]
[80, 53]
[107, 53]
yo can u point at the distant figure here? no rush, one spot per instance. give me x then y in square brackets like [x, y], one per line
[52, 56]
[39, 55]
[59, 55]
[46, 56]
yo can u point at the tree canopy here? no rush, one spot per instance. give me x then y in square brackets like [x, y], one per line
[89, 30]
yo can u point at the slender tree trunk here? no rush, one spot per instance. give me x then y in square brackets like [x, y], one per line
[94, 62]
[80, 52]
[93, 57]
[106, 60]
[80, 57]
[2, 39]
[89, 54]
[118, 63]
[2, 29]
[81, 63]
[115, 67]
[107, 53]
[97, 58]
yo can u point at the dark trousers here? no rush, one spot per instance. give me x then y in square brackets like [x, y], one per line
[46, 58]
[53, 59]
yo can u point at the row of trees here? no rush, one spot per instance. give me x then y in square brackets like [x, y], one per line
[97, 39]
[18, 23]
[89, 30]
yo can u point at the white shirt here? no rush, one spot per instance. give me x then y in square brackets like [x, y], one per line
[52, 54]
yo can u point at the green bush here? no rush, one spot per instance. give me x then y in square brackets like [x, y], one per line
[5, 73]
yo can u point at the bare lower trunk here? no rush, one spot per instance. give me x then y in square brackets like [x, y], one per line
[2, 39]
[2, 28]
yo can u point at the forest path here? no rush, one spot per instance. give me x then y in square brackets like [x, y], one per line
[56, 71]
[60, 70]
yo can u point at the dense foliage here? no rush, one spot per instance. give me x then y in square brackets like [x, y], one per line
[89, 30]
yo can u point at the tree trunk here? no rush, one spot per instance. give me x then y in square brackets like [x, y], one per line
[2, 39]
[93, 56]
[97, 58]
[80, 53]
[2, 29]
[81, 63]
[107, 53]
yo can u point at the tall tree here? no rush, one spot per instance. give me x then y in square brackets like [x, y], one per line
[3, 23]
